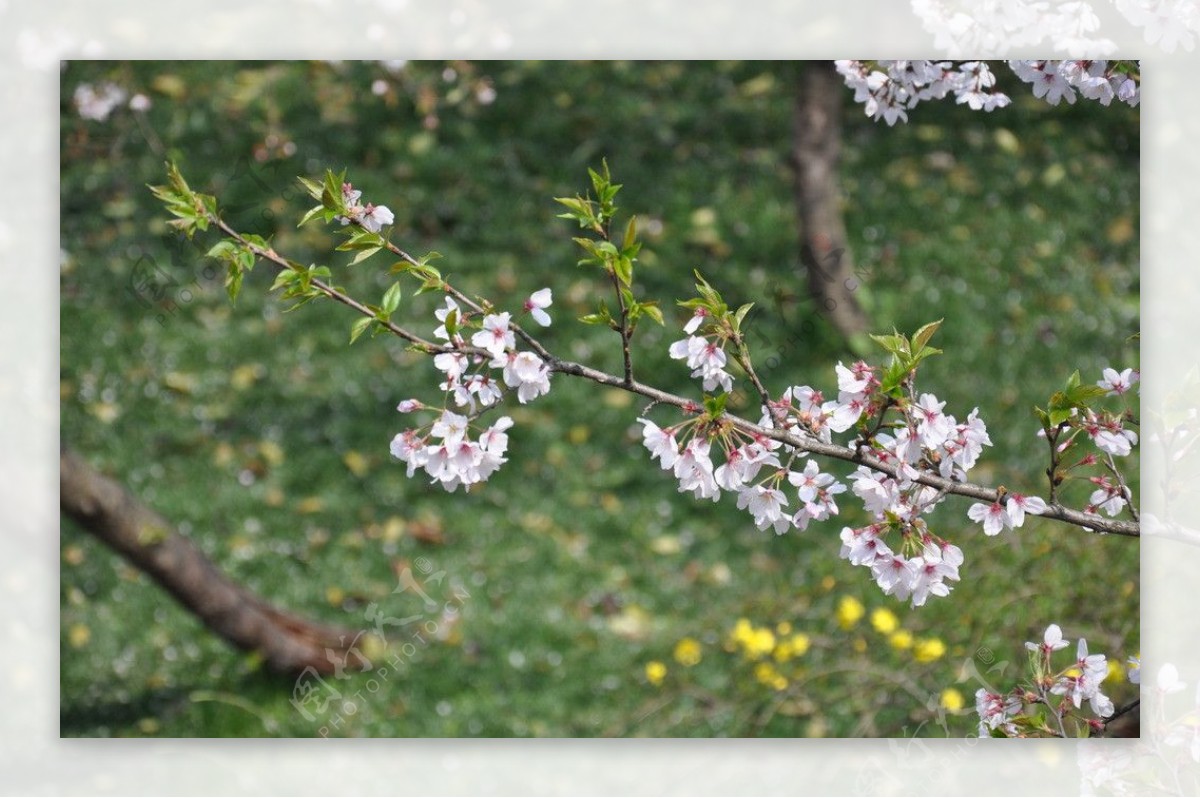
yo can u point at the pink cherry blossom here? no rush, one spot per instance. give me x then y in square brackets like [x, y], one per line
[496, 337]
[536, 306]
[993, 517]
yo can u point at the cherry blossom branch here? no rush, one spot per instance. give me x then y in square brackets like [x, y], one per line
[1088, 521]
[858, 456]
[271, 256]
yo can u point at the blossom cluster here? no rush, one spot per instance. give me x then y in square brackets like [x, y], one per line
[752, 467]
[371, 217]
[705, 355]
[1098, 80]
[1108, 432]
[913, 568]
[473, 379]
[892, 88]
[1008, 513]
[446, 452]
[889, 89]
[919, 564]
[752, 470]
[1078, 682]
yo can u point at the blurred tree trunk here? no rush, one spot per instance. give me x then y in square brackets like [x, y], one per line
[816, 148]
[286, 642]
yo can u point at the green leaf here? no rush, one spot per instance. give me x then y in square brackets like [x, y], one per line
[222, 250]
[364, 254]
[922, 336]
[360, 327]
[580, 210]
[921, 354]
[175, 178]
[590, 247]
[629, 242]
[893, 377]
[318, 210]
[712, 299]
[391, 299]
[361, 238]
[285, 278]
[715, 405]
[1080, 395]
[896, 344]
[600, 180]
[624, 270]
[233, 281]
[627, 296]
[331, 191]
[246, 259]
[431, 284]
[602, 316]
[576, 204]
[740, 315]
[652, 310]
[313, 188]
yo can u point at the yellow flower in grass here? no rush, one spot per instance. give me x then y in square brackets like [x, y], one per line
[655, 672]
[739, 634]
[1116, 671]
[952, 699]
[687, 652]
[756, 642]
[760, 644]
[766, 674]
[901, 640]
[929, 649]
[849, 611]
[794, 646]
[884, 620]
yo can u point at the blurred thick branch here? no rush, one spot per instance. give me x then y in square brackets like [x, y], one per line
[286, 642]
[816, 148]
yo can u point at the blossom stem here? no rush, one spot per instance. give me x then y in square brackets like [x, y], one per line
[742, 353]
[1125, 492]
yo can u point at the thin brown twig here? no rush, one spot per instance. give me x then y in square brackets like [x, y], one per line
[626, 357]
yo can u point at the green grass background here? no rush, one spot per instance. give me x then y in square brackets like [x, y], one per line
[264, 436]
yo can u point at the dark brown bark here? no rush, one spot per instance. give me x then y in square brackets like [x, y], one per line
[816, 148]
[286, 642]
